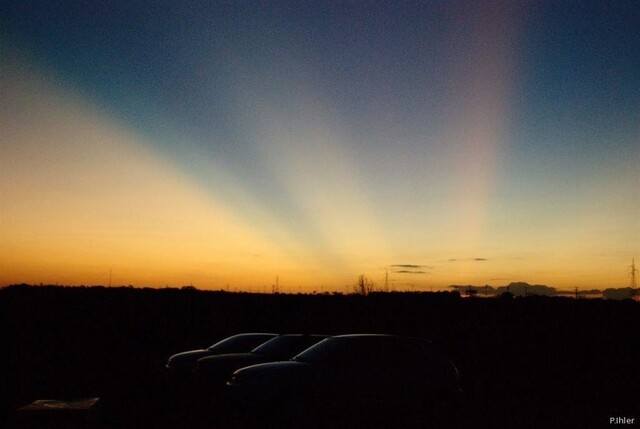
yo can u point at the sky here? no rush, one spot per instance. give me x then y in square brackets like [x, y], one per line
[246, 144]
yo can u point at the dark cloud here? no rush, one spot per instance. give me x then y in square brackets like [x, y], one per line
[410, 269]
[409, 266]
[409, 272]
[469, 259]
[480, 259]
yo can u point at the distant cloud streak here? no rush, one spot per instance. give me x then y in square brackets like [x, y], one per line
[409, 266]
[410, 269]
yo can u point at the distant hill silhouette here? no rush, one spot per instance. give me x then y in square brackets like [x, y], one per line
[622, 293]
[514, 288]
[480, 290]
[526, 289]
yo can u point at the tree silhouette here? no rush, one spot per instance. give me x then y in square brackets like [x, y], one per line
[364, 286]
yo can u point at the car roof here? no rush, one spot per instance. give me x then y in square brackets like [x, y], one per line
[254, 333]
[368, 335]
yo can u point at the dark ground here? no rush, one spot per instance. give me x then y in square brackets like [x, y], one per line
[529, 362]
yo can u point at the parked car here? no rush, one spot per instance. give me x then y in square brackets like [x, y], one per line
[216, 370]
[350, 377]
[185, 363]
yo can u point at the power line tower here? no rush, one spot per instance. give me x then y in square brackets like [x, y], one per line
[632, 273]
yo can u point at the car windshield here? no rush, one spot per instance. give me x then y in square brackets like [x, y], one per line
[239, 343]
[353, 350]
[286, 346]
[321, 352]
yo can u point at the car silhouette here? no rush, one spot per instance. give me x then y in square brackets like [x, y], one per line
[185, 363]
[352, 377]
[214, 371]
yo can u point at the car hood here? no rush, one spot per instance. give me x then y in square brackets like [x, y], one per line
[291, 371]
[230, 361]
[189, 357]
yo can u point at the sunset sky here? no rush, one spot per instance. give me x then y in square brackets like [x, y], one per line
[233, 143]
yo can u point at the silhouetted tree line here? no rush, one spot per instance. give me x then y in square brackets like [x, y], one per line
[524, 362]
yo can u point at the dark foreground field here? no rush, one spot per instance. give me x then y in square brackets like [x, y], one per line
[525, 363]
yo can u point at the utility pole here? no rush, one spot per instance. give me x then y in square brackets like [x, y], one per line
[632, 273]
[386, 280]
